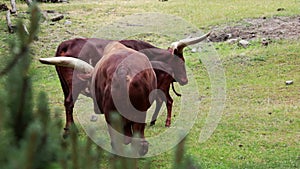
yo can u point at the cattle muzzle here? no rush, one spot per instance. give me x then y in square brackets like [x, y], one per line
[183, 81]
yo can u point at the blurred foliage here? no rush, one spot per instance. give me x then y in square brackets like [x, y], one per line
[30, 139]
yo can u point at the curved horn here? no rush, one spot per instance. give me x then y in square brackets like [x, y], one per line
[63, 61]
[179, 45]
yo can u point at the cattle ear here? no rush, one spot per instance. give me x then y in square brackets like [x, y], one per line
[84, 76]
[161, 66]
[175, 51]
[171, 50]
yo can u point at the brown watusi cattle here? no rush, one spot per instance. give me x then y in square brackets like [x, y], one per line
[90, 50]
[122, 82]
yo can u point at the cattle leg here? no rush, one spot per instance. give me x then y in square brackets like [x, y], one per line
[155, 114]
[65, 75]
[169, 104]
[69, 106]
[128, 133]
[139, 144]
[96, 107]
[116, 140]
[115, 124]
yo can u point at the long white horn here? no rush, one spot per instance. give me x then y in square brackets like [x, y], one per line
[63, 61]
[179, 45]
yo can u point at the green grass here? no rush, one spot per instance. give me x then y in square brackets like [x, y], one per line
[260, 123]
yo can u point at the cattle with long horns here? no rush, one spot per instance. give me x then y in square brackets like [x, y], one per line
[91, 50]
[122, 82]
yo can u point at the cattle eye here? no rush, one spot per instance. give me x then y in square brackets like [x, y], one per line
[175, 51]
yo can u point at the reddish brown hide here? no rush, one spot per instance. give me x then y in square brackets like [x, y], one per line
[91, 50]
[122, 82]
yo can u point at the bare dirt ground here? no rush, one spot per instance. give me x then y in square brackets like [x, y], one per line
[269, 28]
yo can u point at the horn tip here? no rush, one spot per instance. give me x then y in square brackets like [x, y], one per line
[44, 60]
[207, 35]
[41, 60]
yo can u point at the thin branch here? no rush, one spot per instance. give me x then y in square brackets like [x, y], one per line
[57, 18]
[8, 21]
[25, 28]
[13, 6]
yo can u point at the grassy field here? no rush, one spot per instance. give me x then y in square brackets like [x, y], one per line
[260, 125]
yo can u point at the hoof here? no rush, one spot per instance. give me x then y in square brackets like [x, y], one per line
[144, 148]
[152, 123]
[66, 133]
[69, 131]
[168, 123]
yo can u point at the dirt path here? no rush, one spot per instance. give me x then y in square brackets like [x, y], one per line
[269, 28]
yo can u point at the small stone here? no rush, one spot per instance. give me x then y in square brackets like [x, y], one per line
[232, 41]
[68, 22]
[280, 9]
[94, 118]
[50, 11]
[244, 43]
[264, 42]
[229, 35]
[194, 50]
[289, 82]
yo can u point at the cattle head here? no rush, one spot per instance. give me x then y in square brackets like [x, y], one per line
[177, 63]
[176, 58]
